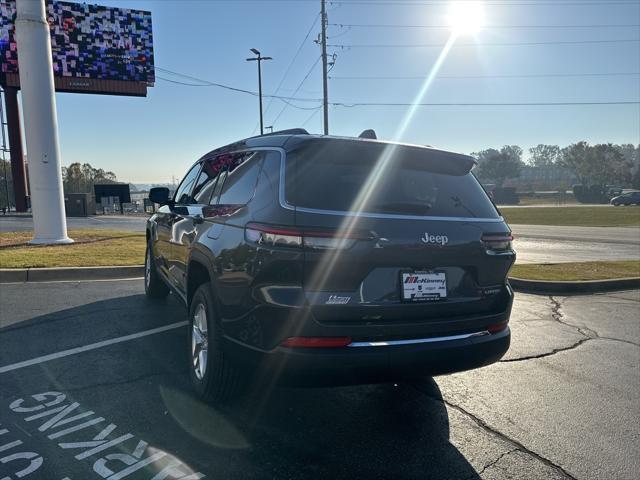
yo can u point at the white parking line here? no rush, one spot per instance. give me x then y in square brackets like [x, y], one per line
[92, 346]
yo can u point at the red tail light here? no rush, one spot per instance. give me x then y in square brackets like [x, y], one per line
[316, 342]
[272, 236]
[497, 242]
[497, 327]
[294, 237]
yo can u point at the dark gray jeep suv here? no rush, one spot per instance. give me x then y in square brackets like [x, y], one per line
[321, 260]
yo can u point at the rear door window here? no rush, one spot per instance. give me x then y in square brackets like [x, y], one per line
[377, 178]
[207, 181]
[241, 177]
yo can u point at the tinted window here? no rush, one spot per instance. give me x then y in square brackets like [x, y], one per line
[206, 184]
[376, 178]
[183, 194]
[242, 175]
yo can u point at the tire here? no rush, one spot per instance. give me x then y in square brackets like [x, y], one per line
[154, 287]
[214, 377]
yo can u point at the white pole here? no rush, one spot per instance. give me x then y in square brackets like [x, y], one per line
[40, 123]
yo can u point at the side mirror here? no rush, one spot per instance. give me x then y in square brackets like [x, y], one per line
[159, 195]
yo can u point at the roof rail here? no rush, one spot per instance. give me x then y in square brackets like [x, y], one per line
[290, 131]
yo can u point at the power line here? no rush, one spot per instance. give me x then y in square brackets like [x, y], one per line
[297, 106]
[493, 3]
[295, 56]
[441, 2]
[510, 44]
[310, 117]
[282, 99]
[287, 100]
[466, 104]
[298, 88]
[207, 83]
[183, 83]
[524, 75]
[448, 27]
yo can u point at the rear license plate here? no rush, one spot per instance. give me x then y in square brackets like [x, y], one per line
[424, 286]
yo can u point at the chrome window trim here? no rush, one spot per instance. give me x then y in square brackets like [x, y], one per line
[415, 341]
[175, 193]
[284, 204]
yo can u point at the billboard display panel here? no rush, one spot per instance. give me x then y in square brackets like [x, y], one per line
[88, 42]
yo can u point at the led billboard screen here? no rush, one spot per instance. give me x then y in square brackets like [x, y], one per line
[90, 44]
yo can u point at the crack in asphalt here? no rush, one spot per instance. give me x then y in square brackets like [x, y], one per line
[494, 462]
[558, 316]
[587, 333]
[547, 354]
[504, 437]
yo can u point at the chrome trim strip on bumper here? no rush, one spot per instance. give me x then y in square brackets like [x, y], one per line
[414, 341]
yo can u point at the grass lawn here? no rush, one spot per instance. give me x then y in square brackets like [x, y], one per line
[577, 271]
[92, 248]
[107, 247]
[597, 216]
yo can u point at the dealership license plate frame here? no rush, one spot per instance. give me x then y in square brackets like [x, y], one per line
[439, 294]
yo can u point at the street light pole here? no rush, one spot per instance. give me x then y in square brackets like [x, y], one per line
[259, 58]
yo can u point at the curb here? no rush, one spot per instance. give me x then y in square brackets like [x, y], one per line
[10, 275]
[586, 286]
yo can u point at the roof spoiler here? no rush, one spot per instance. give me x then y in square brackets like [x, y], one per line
[369, 134]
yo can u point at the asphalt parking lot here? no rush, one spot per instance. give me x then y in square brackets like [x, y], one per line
[93, 384]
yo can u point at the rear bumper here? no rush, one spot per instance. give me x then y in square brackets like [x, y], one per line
[371, 364]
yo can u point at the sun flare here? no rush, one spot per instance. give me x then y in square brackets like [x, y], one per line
[466, 17]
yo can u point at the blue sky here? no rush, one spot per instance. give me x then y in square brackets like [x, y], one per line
[152, 139]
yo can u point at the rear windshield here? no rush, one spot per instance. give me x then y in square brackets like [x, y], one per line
[364, 177]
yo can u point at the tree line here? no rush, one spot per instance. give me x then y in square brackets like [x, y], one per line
[76, 178]
[601, 164]
[80, 178]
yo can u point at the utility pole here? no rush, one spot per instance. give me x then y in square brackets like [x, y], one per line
[325, 88]
[259, 59]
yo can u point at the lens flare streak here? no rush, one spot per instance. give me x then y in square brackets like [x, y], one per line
[377, 174]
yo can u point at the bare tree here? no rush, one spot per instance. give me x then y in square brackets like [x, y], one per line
[499, 165]
[543, 155]
[79, 178]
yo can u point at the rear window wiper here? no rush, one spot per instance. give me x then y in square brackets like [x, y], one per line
[408, 208]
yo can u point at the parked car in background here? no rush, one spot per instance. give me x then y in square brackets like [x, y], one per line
[613, 191]
[629, 198]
